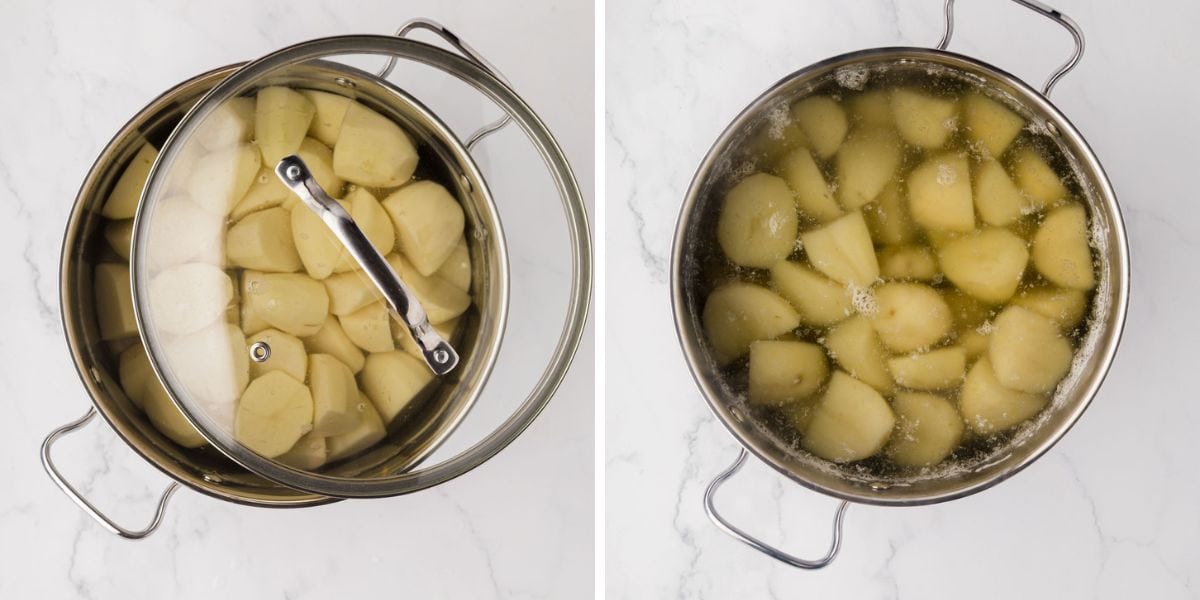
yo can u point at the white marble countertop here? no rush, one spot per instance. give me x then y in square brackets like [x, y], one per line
[1113, 511]
[520, 526]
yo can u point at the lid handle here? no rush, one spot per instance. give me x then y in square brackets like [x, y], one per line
[438, 354]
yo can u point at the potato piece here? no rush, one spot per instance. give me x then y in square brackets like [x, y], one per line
[181, 232]
[319, 249]
[369, 327]
[934, 370]
[330, 339]
[799, 414]
[251, 321]
[375, 223]
[309, 452]
[740, 313]
[997, 199]
[189, 297]
[266, 191]
[823, 123]
[923, 120]
[119, 235]
[440, 299]
[758, 222]
[221, 179]
[852, 421]
[287, 354]
[928, 429]
[290, 302]
[367, 432]
[274, 413]
[813, 195]
[372, 150]
[871, 110]
[990, 124]
[865, 165]
[888, 219]
[123, 201]
[114, 302]
[281, 119]
[229, 124]
[319, 159]
[911, 316]
[169, 420]
[779, 136]
[334, 394]
[457, 268]
[843, 250]
[391, 380]
[1061, 252]
[908, 262]
[987, 264]
[988, 406]
[855, 346]
[349, 292]
[263, 241]
[784, 372]
[213, 367]
[1039, 182]
[1063, 306]
[818, 300]
[974, 342]
[135, 373]
[327, 120]
[1027, 351]
[939, 194]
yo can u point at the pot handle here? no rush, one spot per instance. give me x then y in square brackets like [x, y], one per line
[1046, 11]
[74, 495]
[467, 52]
[711, 510]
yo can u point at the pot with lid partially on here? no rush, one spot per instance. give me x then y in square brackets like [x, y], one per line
[899, 277]
[317, 279]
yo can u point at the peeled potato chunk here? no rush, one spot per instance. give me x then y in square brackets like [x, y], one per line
[987, 264]
[784, 372]
[819, 300]
[123, 201]
[114, 301]
[910, 316]
[391, 380]
[266, 191]
[939, 194]
[319, 250]
[220, 179]
[851, 422]
[1060, 249]
[375, 223]
[1063, 306]
[229, 124]
[180, 232]
[740, 313]
[457, 268]
[373, 151]
[168, 419]
[843, 250]
[865, 165]
[119, 235]
[924, 120]
[291, 302]
[367, 432]
[349, 292]
[331, 340]
[281, 119]
[990, 124]
[250, 320]
[1027, 351]
[823, 123]
[369, 327]
[274, 413]
[334, 395]
[287, 354]
[213, 368]
[997, 199]
[135, 373]
[309, 452]
[1039, 182]
[856, 348]
[813, 195]
[263, 241]
[871, 109]
[928, 428]
[934, 370]
[758, 222]
[189, 297]
[908, 262]
[428, 223]
[327, 120]
[888, 219]
[440, 299]
[988, 406]
[319, 159]
[974, 342]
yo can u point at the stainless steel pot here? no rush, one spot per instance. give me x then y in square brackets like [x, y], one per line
[696, 222]
[225, 470]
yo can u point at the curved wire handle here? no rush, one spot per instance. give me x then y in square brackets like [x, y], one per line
[1051, 13]
[465, 50]
[711, 510]
[88, 507]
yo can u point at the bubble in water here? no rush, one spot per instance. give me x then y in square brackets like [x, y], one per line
[945, 174]
[852, 77]
[779, 118]
[863, 300]
[262, 178]
[361, 407]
